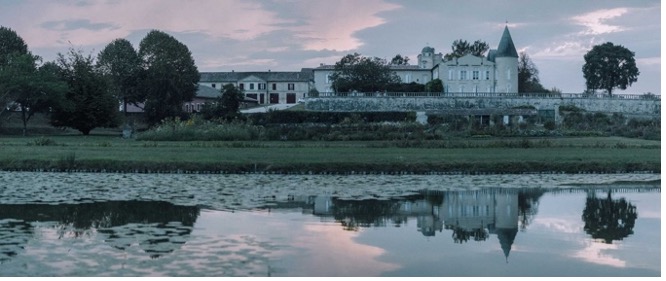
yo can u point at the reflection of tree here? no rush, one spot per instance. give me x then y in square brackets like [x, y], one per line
[353, 214]
[528, 206]
[14, 235]
[609, 219]
[461, 235]
[158, 226]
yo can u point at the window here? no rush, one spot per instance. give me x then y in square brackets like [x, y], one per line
[508, 74]
[476, 89]
[251, 86]
[408, 78]
[463, 75]
[290, 86]
[261, 86]
[274, 86]
[475, 75]
[450, 74]
[241, 86]
[487, 74]
[212, 85]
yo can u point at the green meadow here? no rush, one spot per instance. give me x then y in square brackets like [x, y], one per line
[110, 153]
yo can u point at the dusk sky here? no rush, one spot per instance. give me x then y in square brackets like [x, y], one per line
[287, 35]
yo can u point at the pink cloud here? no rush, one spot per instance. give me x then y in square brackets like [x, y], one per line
[331, 24]
[596, 22]
[235, 19]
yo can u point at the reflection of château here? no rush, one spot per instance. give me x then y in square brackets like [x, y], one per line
[467, 214]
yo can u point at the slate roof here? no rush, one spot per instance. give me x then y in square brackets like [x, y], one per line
[207, 92]
[506, 48]
[491, 55]
[393, 67]
[305, 75]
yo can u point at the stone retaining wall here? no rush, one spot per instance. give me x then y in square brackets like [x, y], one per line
[629, 107]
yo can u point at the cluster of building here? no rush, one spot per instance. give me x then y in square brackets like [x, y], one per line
[495, 73]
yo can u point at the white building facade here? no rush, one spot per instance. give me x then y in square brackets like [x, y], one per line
[495, 73]
[264, 87]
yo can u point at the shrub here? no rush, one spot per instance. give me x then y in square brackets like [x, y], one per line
[42, 141]
[549, 125]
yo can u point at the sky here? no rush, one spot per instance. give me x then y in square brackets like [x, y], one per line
[287, 35]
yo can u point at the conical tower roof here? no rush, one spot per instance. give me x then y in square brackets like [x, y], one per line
[506, 47]
[506, 237]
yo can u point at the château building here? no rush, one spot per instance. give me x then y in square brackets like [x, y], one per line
[495, 73]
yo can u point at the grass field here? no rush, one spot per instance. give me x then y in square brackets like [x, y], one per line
[464, 155]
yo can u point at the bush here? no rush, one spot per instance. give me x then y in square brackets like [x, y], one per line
[299, 117]
[197, 129]
[549, 125]
[42, 141]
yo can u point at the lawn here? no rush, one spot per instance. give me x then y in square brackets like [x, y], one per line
[492, 155]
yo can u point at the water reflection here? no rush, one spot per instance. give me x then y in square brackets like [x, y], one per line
[609, 219]
[469, 215]
[157, 227]
[154, 237]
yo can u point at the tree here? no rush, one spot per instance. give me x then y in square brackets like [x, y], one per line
[609, 66]
[33, 89]
[88, 103]
[400, 60]
[170, 78]
[22, 84]
[460, 48]
[528, 76]
[364, 74]
[10, 45]
[227, 106]
[121, 64]
[434, 86]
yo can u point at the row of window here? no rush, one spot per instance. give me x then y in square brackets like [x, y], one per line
[260, 86]
[475, 75]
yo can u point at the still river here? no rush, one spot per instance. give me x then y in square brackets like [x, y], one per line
[81, 224]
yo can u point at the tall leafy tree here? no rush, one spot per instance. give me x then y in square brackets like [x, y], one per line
[528, 76]
[121, 64]
[88, 103]
[34, 89]
[400, 60]
[24, 85]
[435, 86]
[461, 48]
[170, 78]
[11, 45]
[364, 74]
[227, 106]
[608, 66]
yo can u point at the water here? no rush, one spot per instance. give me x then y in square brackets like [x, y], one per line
[78, 224]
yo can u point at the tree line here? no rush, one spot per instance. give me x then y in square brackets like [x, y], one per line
[83, 92]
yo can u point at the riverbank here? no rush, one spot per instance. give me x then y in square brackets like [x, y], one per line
[454, 156]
